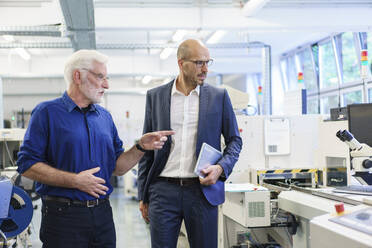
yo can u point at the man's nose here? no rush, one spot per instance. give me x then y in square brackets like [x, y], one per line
[105, 84]
[204, 67]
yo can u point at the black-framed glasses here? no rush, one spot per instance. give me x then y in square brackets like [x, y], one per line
[99, 76]
[201, 63]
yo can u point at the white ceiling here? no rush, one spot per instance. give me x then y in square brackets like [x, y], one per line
[282, 24]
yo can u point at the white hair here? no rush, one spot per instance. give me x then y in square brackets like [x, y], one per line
[82, 59]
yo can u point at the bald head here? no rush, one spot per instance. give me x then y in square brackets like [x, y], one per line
[189, 48]
[193, 59]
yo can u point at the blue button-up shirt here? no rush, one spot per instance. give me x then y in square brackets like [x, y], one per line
[62, 136]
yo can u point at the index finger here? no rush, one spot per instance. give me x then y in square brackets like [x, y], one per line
[94, 170]
[166, 132]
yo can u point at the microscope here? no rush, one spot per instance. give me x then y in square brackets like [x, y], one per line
[361, 156]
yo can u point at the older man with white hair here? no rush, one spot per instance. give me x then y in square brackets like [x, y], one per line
[71, 148]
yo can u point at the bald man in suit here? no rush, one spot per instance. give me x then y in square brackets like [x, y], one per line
[169, 190]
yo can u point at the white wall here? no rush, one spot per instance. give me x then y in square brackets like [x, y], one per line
[128, 111]
[125, 95]
[237, 81]
[1, 104]
[26, 93]
[277, 90]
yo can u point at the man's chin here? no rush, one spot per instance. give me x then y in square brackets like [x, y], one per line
[97, 100]
[200, 82]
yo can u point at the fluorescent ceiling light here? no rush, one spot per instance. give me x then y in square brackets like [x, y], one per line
[146, 79]
[22, 53]
[216, 37]
[178, 35]
[166, 52]
[9, 38]
[253, 6]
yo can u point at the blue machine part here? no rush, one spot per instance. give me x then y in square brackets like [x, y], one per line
[5, 195]
[19, 214]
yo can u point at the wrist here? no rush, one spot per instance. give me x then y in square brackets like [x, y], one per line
[139, 146]
[74, 181]
[221, 170]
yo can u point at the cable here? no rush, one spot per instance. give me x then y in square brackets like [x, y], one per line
[8, 152]
[274, 215]
[256, 243]
[255, 110]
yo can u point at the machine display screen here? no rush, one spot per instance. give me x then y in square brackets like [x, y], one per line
[360, 122]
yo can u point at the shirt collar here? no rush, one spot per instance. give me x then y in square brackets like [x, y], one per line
[71, 105]
[174, 89]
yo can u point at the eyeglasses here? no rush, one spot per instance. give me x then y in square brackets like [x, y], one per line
[201, 63]
[99, 76]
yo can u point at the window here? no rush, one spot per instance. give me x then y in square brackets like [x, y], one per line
[306, 64]
[292, 73]
[252, 90]
[352, 97]
[328, 102]
[312, 106]
[331, 71]
[327, 66]
[349, 58]
[283, 69]
[369, 46]
[370, 95]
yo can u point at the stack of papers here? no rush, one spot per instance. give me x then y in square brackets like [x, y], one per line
[243, 187]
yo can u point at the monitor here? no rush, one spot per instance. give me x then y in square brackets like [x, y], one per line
[360, 122]
[360, 125]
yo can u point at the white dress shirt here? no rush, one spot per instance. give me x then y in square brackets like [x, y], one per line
[184, 121]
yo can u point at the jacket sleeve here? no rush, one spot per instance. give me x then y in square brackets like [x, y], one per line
[231, 135]
[148, 158]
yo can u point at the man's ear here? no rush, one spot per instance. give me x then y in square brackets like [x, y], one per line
[76, 77]
[180, 64]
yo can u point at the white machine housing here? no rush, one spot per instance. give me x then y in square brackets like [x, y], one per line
[10, 141]
[312, 144]
[247, 204]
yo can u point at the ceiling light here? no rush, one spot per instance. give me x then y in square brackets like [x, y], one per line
[22, 53]
[178, 35]
[216, 37]
[146, 79]
[9, 38]
[253, 6]
[166, 52]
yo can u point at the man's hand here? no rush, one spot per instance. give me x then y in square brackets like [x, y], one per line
[212, 173]
[87, 182]
[154, 140]
[144, 208]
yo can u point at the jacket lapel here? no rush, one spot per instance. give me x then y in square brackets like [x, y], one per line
[203, 105]
[165, 105]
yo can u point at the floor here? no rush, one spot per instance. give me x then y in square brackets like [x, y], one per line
[131, 230]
